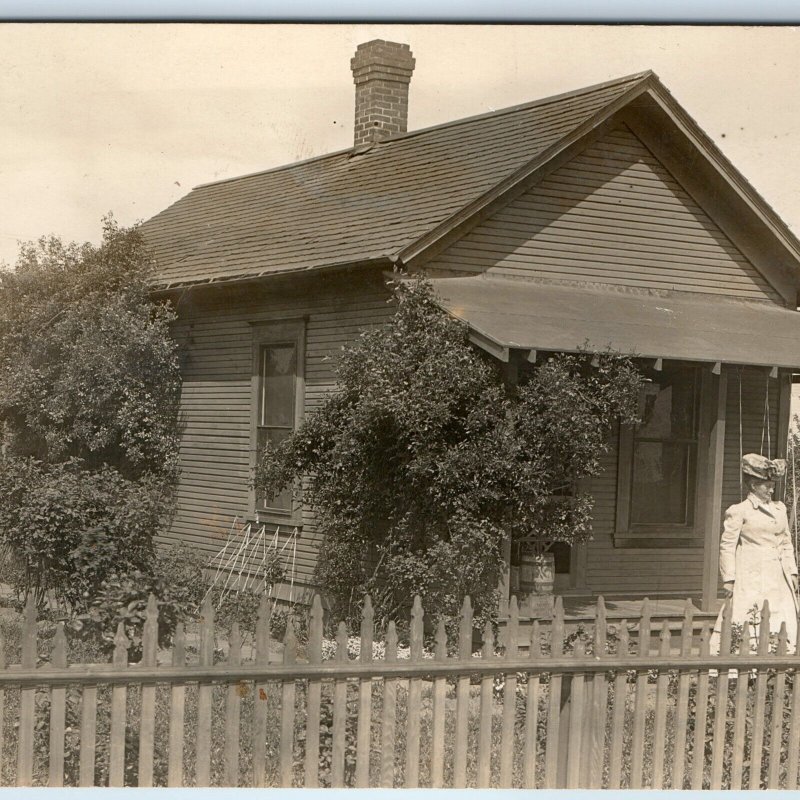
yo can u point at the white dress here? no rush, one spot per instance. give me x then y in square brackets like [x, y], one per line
[756, 552]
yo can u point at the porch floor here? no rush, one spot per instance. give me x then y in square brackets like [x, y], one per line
[583, 607]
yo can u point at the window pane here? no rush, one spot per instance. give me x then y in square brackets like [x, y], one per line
[670, 407]
[282, 501]
[662, 477]
[277, 385]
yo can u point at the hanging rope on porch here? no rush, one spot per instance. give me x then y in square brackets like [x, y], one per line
[765, 423]
[794, 495]
[741, 454]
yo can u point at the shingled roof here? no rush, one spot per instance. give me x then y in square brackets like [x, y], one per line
[360, 205]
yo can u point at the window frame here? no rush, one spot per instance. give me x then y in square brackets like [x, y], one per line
[266, 333]
[664, 535]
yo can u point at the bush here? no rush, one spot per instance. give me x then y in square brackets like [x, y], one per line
[65, 528]
[123, 597]
[89, 394]
[182, 569]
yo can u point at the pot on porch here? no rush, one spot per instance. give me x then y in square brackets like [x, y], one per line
[537, 572]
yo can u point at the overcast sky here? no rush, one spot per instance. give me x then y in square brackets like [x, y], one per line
[127, 118]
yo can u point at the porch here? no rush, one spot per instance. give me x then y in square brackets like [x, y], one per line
[713, 391]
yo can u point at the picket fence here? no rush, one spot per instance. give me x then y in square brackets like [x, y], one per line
[550, 706]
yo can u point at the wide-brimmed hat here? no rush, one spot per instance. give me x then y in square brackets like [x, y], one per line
[762, 467]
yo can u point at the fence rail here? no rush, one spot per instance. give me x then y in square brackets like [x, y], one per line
[546, 706]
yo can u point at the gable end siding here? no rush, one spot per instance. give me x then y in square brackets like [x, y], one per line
[612, 215]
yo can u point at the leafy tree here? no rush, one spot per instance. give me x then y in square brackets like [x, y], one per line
[89, 391]
[423, 460]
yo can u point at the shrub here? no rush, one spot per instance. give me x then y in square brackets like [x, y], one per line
[89, 392]
[123, 597]
[66, 528]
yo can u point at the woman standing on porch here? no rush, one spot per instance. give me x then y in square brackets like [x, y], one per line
[756, 558]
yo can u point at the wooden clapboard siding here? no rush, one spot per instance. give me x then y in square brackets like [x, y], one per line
[612, 215]
[611, 570]
[216, 334]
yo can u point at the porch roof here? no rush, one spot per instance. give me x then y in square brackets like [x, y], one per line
[510, 314]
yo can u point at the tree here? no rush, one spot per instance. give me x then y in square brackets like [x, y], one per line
[424, 460]
[89, 393]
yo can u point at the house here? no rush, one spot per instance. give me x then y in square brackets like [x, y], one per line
[602, 215]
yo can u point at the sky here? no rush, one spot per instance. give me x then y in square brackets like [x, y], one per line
[128, 118]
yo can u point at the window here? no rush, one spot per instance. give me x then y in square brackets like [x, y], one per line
[278, 349]
[658, 472]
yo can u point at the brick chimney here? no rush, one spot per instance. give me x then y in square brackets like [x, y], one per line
[381, 71]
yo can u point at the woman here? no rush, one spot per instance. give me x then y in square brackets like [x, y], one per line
[756, 555]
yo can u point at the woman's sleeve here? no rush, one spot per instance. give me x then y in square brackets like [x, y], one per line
[727, 544]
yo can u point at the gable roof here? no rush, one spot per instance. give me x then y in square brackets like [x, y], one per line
[362, 204]
[403, 197]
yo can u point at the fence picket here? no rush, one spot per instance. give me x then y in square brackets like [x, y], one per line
[618, 716]
[177, 711]
[27, 703]
[721, 705]
[88, 735]
[288, 697]
[365, 698]
[682, 702]
[233, 710]
[119, 697]
[313, 700]
[793, 746]
[389, 714]
[205, 691]
[662, 701]
[532, 712]
[2, 706]
[596, 731]
[509, 699]
[640, 700]
[554, 700]
[485, 718]
[576, 723]
[58, 658]
[438, 723]
[462, 698]
[147, 725]
[701, 713]
[260, 689]
[339, 712]
[757, 745]
[775, 749]
[414, 698]
[740, 719]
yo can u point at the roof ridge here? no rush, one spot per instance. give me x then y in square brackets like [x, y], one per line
[450, 123]
[542, 101]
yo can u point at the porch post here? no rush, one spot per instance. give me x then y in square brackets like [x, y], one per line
[784, 412]
[718, 386]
